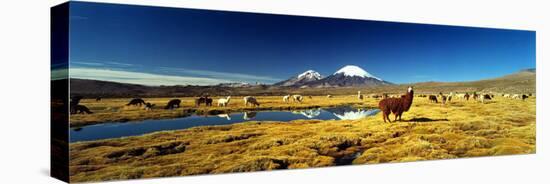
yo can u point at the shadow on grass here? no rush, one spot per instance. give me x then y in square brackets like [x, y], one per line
[423, 119]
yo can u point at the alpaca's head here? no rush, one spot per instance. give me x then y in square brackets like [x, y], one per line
[409, 89]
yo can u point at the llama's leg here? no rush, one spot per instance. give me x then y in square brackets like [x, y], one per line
[384, 116]
[400, 116]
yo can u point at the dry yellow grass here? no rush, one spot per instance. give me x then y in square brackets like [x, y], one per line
[428, 132]
[115, 110]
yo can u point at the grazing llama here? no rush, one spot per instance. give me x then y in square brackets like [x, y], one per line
[174, 103]
[443, 98]
[285, 98]
[80, 109]
[298, 98]
[432, 98]
[136, 102]
[222, 102]
[148, 106]
[524, 96]
[484, 97]
[250, 100]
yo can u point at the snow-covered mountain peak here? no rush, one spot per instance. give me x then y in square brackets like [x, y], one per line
[310, 74]
[352, 70]
[300, 80]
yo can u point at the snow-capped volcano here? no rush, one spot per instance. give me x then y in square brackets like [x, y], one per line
[303, 78]
[310, 74]
[355, 71]
[349, 75]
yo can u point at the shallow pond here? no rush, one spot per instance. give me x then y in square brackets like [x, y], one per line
[115, 130]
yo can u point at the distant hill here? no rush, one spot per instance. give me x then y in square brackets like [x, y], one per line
[523, 81]
[95, 88]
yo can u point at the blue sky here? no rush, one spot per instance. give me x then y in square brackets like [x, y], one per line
[170, 46]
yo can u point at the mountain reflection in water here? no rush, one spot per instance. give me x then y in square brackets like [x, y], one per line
[115, 130]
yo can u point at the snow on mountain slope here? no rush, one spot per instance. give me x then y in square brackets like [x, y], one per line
[303, 78]
[310, 74]
[352, 70]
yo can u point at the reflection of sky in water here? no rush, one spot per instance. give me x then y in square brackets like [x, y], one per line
[115, 130]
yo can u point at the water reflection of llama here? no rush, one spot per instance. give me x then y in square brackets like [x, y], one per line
[246, 116]
[249, 115]
[226, 116]
[350, 113]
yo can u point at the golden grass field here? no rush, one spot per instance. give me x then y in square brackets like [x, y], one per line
[115, 110]
[428, 132]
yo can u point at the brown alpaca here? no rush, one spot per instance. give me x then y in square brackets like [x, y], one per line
[136, 102]
[396, 105]
[174, 103]
[201, 100]
[475, 96]
[432, 98]
[80, 109]
[208, 101]
[443, 98]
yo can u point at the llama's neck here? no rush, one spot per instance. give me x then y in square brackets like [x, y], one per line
[409, 95]
[407, 98]
[407, 102]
